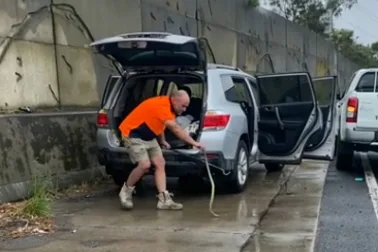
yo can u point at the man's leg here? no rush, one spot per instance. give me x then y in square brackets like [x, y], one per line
[165, 201]
[137, 151]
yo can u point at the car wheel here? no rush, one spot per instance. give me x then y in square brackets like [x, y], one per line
[239, 176]
[344, 157]
[272, 167]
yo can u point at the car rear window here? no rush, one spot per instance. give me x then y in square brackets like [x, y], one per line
[367, 83]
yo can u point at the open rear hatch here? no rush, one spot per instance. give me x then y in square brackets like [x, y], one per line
[155, 51]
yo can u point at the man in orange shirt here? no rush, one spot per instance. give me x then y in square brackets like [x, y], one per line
[140, 131]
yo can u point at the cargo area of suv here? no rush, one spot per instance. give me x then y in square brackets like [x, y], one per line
[138, 88]
[151, 64]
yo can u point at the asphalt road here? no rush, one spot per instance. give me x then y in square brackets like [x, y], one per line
[347, 221]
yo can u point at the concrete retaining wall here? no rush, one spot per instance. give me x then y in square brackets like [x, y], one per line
[44, 144]
[45, 62]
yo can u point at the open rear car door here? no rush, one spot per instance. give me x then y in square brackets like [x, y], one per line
[321, 145]
[289, 116]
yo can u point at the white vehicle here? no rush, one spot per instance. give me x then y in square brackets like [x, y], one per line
[358, 117]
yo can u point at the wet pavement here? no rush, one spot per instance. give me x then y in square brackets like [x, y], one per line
[98, 223]
[291, 222]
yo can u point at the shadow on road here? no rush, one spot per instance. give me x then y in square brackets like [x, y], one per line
[357, 168]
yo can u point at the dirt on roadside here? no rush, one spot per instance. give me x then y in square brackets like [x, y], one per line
[15, 222]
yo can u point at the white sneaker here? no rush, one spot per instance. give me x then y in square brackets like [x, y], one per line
[126, 197]
[166, 203]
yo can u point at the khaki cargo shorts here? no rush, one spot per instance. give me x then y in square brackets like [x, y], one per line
[140, 150]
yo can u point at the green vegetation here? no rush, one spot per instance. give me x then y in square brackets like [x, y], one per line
[363, 55]
[253, 3]
[39, 204]
[315, 15]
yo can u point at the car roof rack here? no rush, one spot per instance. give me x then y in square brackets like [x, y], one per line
[220, 66]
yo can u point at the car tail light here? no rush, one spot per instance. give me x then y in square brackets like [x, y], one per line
[211, 156]
[215, 120]
[352, 108]
[102, 119]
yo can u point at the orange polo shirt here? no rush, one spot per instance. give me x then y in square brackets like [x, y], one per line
[147, 120]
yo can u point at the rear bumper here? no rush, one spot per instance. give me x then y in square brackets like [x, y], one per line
[176, 164]
[365, 147]
[362, 139]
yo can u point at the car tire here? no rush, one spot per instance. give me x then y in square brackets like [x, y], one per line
[344, 156]
[239, 176]
[273, 167]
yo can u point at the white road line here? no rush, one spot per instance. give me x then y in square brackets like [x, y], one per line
[370, 181]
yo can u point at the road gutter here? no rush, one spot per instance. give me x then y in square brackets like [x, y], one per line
[282, 185]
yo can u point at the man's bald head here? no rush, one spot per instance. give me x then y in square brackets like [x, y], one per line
[180, 101]
[180, 94]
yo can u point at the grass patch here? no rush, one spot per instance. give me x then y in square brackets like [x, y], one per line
[31, 216]
[40, 203]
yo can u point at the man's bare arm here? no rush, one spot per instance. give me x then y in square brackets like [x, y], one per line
[180, 132]
[161, 138]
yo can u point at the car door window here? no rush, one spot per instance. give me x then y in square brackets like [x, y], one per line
[239, 91]
[324, 90]
[112, 80]
[285, 89]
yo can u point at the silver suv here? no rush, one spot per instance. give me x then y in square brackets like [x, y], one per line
[274, 119]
